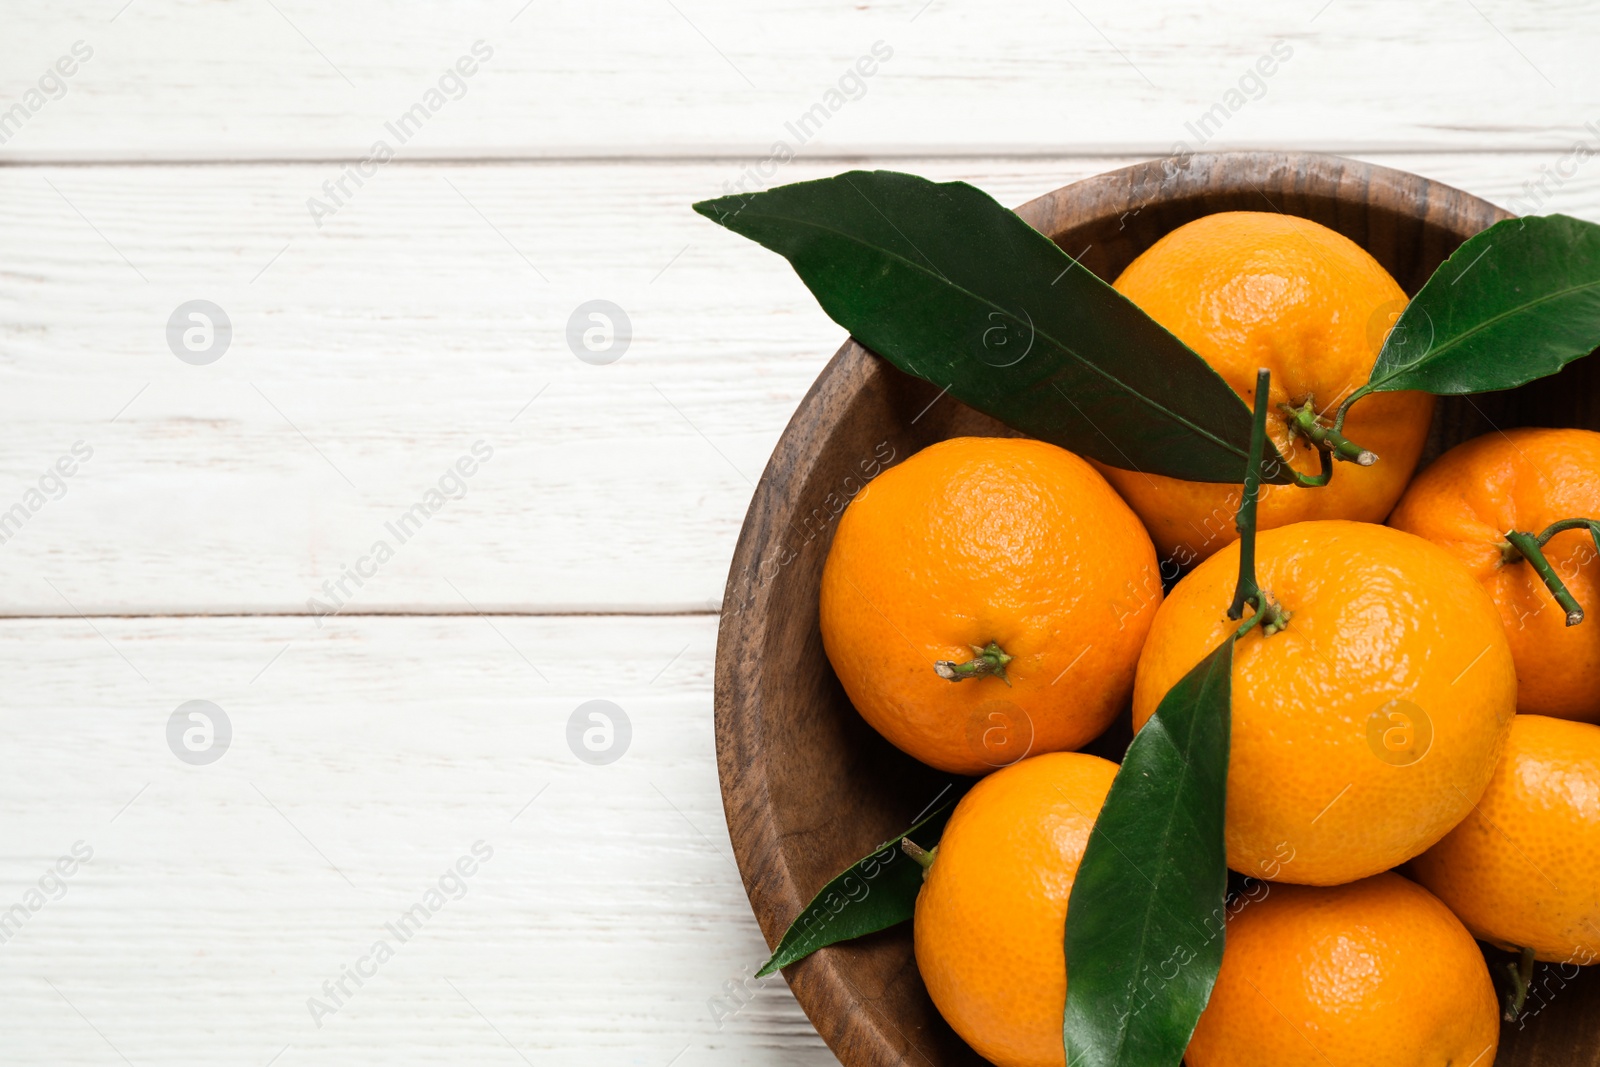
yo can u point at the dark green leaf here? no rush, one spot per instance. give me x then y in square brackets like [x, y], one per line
[874, 893]
[1516, 302]
[1144, 922]
[950, 286]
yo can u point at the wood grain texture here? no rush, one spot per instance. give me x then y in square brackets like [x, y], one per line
[371, 354]
[413, 322]
[367, 757]
[382, 346]
[789, 745]
[186, 79]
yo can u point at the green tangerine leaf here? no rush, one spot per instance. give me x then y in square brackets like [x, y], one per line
[952, 287]
[874, 893]
[1144, 921]
[1516, 302]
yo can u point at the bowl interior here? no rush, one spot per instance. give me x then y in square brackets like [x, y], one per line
[807, 786]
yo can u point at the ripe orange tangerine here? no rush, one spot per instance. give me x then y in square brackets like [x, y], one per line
[1523, 869]
[1254, 289]
[1006, 560]
[1377, 973]
[1366, 728]
[1470, 497]
[991, 917]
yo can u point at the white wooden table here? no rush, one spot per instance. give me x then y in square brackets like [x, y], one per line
[379, 336]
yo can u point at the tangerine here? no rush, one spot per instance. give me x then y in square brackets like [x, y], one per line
[985, 599]
[1366, 728]
[1522, 868]
[1253, 289]
[1525, 480]
[991, 917]
[1377, 973]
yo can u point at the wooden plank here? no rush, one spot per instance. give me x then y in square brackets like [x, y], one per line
[370, 355]
[365, 761]
[297, 80]
[368, 358]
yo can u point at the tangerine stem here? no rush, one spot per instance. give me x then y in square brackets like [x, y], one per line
[1248, 625]
[1521, 975]
[1592, 525]
[1344, 409]
[1529, 547]
[1304, 421]
[990, 659]
[923, 856]
[1322, 478]
[1247, 591]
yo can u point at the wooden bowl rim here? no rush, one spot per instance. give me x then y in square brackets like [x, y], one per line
[819, 983]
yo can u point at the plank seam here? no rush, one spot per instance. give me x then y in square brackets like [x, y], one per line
[693, 158]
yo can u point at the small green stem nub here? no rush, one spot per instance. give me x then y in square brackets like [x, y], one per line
[923, 856]
[1247, 591]
[990, 659]
[1303, 420]
[1527, 546]
[1521, 979]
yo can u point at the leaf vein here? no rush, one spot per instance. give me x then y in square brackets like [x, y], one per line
[1464, 336]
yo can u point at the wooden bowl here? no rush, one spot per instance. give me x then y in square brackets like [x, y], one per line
[808, 787]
